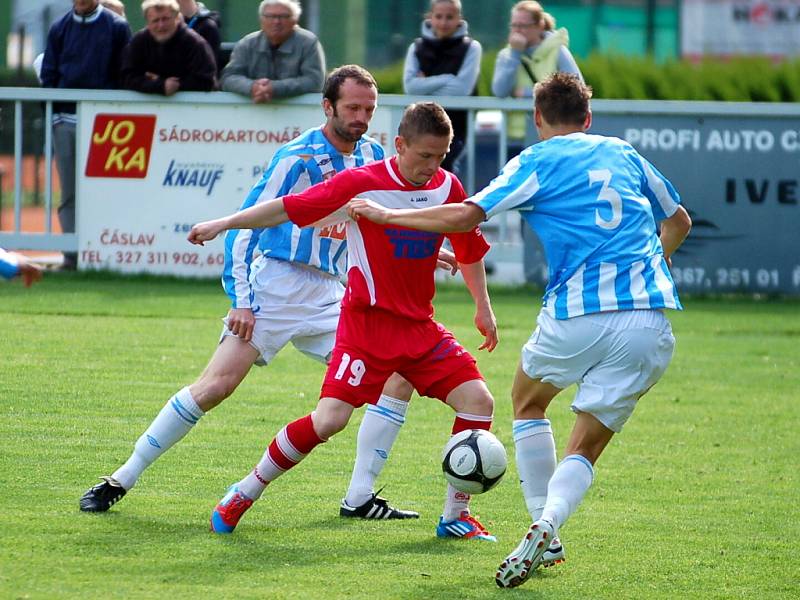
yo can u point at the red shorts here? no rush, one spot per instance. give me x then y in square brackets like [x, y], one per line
[373, 344]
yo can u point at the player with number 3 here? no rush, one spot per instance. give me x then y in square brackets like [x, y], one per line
[594, 203]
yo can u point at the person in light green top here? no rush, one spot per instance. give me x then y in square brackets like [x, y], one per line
[536, 50]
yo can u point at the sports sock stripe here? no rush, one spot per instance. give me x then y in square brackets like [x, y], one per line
[287, 448]
[182, 412]
[524, 425]
[385, 413]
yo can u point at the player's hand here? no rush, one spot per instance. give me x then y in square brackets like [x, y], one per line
[487, 325]
[29, 272]
[360, 207]
[447, 261]
[668, 260]
[241, 322]
[205, 231]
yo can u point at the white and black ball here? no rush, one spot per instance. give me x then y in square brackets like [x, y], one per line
[474, 461]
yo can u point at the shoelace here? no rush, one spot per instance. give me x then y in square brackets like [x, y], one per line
[237, 504]
[475, 523]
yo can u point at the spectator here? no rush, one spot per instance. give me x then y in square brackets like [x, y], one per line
[205, 22]
[84, 49]
[16, 265]
[280, 60]
[536, 50]
[114, 6]
[166, 56]
[445, 61]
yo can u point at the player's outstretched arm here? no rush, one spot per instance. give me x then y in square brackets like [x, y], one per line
[265, 214]
[475, 277]
[674, 230]
[13, 264]
[447, 218]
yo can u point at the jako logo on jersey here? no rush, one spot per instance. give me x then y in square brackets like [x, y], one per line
[120, 146]
[413, 244]
[323, 162]
[199, 175]
[420, 199]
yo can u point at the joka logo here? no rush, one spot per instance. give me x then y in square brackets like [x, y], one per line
[120, 146]
[198, 175]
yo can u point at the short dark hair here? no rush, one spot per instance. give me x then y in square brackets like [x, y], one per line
[424, 118]
[563, 99]
[337, 77]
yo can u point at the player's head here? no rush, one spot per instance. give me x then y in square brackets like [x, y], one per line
[423, 140]
[349, 99]
[562, 103]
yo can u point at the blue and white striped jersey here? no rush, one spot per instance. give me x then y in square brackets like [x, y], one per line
[296, 166]
[8, 265]
[594, 202]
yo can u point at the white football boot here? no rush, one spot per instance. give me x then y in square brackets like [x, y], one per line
[527, 556]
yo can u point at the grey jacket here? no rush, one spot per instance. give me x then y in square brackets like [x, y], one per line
[298, 66]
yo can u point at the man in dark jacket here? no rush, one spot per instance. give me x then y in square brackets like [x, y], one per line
[84, 50]
[205, 22]
[166, 56]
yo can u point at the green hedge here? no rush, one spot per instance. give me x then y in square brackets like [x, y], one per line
[641, 78]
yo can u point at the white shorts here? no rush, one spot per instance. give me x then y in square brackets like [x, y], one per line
[614, 357]
[293, 304]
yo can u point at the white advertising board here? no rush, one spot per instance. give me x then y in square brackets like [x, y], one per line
[148, 172]
[740, 27]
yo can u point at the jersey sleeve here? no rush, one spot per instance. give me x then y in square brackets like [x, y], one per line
[313, 205]
[8, 265]
[513, 188]
[470, 246]
[658, 190]
[240, 244]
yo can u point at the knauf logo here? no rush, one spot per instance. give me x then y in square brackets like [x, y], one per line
[198, 175]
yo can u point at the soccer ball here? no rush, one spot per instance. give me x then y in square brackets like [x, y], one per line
[474, 461]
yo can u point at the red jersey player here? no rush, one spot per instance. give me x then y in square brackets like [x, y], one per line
[386, 323]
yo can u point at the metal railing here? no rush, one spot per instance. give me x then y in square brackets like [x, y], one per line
[18, 239]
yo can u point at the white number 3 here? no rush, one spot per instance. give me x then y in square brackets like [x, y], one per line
[357, 369]
[607, 194]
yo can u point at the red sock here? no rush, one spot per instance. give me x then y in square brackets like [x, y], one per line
[292, 444]
[464, 421]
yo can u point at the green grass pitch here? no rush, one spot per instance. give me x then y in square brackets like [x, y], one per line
[699, 497]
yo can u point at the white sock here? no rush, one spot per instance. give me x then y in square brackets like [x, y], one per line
[455, 503]
[567, 487]
[376, 436]
[536, 461]
[175, 420]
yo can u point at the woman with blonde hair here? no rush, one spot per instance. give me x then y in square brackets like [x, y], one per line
[536, 50]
